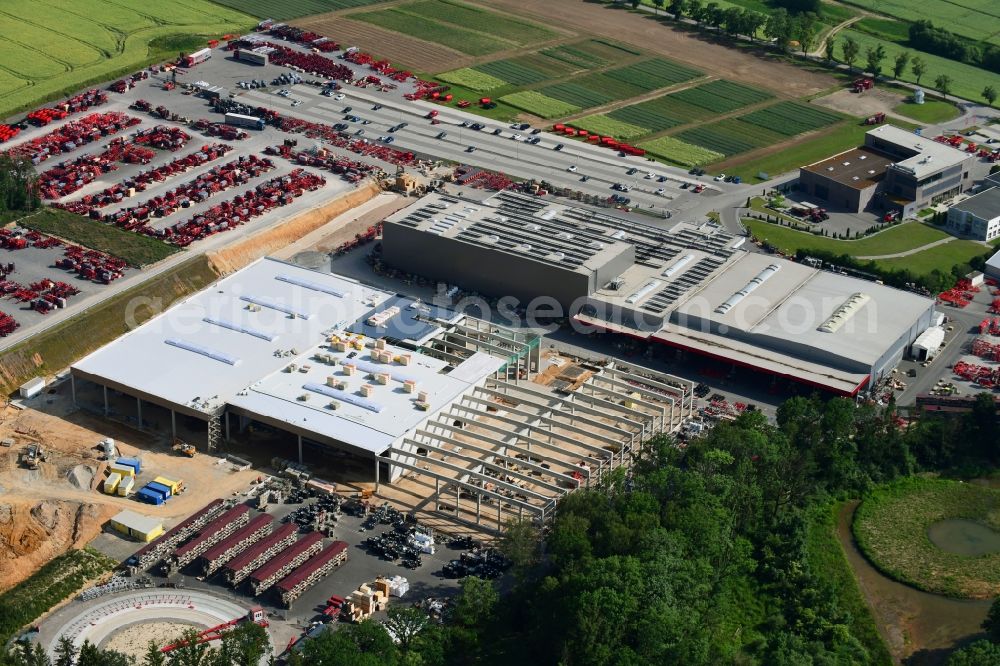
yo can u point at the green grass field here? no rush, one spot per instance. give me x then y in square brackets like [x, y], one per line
[54, 48]
[900, 238]
[463, 27]
[976, 19]
[292, 9]
[136, 249]
[967, 81]
[891, 529]
[941, 257]
[833, 140]
[601, 124]
[472, 79]
[931, 112]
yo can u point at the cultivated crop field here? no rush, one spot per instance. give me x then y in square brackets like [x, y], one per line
[57, 47]
[722, 96]
[456, 25]
[473, 79]
[653, 73]
[578, 95]
[680, 152]
[590, 54]
[291, 9]
[791, 118]
[512, 72]
[601, 124]
[538, 104]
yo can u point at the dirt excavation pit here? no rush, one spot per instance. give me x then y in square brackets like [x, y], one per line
[133, 640]
[867, 103]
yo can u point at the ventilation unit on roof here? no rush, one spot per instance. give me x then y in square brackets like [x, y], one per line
[597, 246]
[871, 171]
[619, 235]
[829, 168]
[841, 315]
[564, 235]
[862, 157]
[490, 238]
[677, 265]
[615, 284]
[531, 226]
[645, 289]
[523, 247]
[204, 351]
[548, 215]
[557, 256]
[847, 164]
[273, 305]
[308, 284]
[760, 279]
[240, 328]
[344, 396]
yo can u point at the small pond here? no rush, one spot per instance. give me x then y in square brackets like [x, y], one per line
[964, 537]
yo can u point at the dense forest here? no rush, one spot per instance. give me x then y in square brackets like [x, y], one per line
[716, 552]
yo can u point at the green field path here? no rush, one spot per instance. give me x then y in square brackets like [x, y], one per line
[907, 237]
[906, 253]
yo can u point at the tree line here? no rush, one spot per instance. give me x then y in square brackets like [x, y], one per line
[18, 184]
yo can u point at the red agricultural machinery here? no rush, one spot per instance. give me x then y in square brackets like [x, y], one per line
[982, 375]
[862, 84]
[74, 134]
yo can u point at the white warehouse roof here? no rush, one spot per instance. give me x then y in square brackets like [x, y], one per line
[198, 354]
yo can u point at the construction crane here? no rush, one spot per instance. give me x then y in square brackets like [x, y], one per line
[256, 615]
[184, 448]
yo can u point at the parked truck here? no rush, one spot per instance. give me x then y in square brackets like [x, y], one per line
[196, 58]
[240, 120]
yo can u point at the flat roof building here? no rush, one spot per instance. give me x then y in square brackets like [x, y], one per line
[977, 217]
[376, 381]
[692, 287]
[893, 170]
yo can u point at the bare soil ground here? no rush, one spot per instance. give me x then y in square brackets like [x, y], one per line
[399, 49]
[43, 513]
[693, 48]
[133, 641]
[867, 103]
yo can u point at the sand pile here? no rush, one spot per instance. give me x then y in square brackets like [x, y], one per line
[81, 476]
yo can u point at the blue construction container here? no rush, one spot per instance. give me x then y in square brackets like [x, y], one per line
[160, 488]
[149, 496]
[131, 462]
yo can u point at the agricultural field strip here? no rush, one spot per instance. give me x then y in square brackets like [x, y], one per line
[680, 152]
[791, 118]
[971, 18]
[293, 9]
[469, 17]
[539, 104]
[465, 41]
[90, 40]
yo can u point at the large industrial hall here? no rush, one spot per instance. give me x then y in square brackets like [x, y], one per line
[406, 391]
[691, 286]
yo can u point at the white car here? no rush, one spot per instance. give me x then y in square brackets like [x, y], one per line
[660, 191]
[339, 96]
[516, 137]
[571, 168]
[721, 177]
[650, 176]
[297, 102]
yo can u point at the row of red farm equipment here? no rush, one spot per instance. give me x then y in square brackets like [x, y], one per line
[990, 326]
[206, 185]
[68, 177]
[985, 348]
[220, 130]
[482, 179]
[11, 239]
[984, 376]
[138, 183]
[91, 264]
[7, 324]
[126, 84]
[74, 134]
[339, 140]
[960, 295]
[959, 142]
[350, 170]
[227, 215]
[42, 296]
[45, 115]
[597, 139]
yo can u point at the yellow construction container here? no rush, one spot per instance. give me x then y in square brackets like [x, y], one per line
[121, 470]
[125, 486]
[175, 486]
[111, 483]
